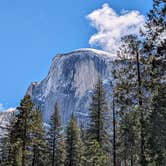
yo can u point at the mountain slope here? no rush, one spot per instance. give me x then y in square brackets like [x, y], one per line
[5, 118]
[70, 82]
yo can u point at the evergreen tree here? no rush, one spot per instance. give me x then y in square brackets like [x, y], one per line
[11, 150]
[15, 154]
[23, 135]
[18, 133]
[5, 149]
[24, 127]
[154, 31]
[127, 142]
[154, 48]
[154, 67]
[114, 117]
[56, 139]
[98, 128]
[99, 116]
[74, 144]
[127, 117]
[5, 145]
[38, 144]
[95, 156]
[129, 89]
[156, 125]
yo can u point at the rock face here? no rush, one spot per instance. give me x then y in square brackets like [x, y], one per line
[71, 81]
[5, 118]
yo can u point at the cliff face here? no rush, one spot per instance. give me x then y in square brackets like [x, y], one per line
[5, 118]
[70, 82]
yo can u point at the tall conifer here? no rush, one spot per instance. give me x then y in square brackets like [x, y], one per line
[73, 144]
[56, 139]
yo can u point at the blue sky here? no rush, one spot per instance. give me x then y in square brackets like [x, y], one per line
[32, 32]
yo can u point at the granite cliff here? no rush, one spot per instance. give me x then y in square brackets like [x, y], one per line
[71, 81]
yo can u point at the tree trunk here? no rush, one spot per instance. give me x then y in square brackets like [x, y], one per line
[99, 118]
[53, 152]
[131, 161]
[143, 160]
[24, 142]
[34, 156]
[114, 134]
[125, 163]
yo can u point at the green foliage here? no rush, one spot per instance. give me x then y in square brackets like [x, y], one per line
[25, 140]
[5, 149]
[156, 125]
[95, 155]
[56, 140]
[98, 127]
[74, 144]
[99, 117]
[23, 128]
[154, 28]
[127, 138]
[154, 67]
[128, 101]
[39, 153]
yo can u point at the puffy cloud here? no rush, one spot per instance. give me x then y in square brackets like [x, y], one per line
[111, 27]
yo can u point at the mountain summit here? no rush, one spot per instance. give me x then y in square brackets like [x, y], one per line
[71, 81]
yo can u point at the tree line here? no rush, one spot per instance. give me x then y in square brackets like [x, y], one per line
[29, 142]
[130, 132]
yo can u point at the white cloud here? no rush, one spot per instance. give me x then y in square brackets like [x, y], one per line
[111, 27]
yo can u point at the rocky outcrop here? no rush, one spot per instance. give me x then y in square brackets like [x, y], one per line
[70, 82]
[5, 118]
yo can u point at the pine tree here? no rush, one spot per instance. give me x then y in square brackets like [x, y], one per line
[128, 139]
[98, 128]
[11, 150]
[155, 65]
[126, 114]
[5, 145]
[114, 131]
[95, 156]
[25, 142]
[20, 134]
[24, 128]
[129, 89]
[74, 144]
[154, 31]
[15, 154]
[5, 149]
[99, 118]
[56, 139]
[156, 125]
[38, 144]
[154, 47]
